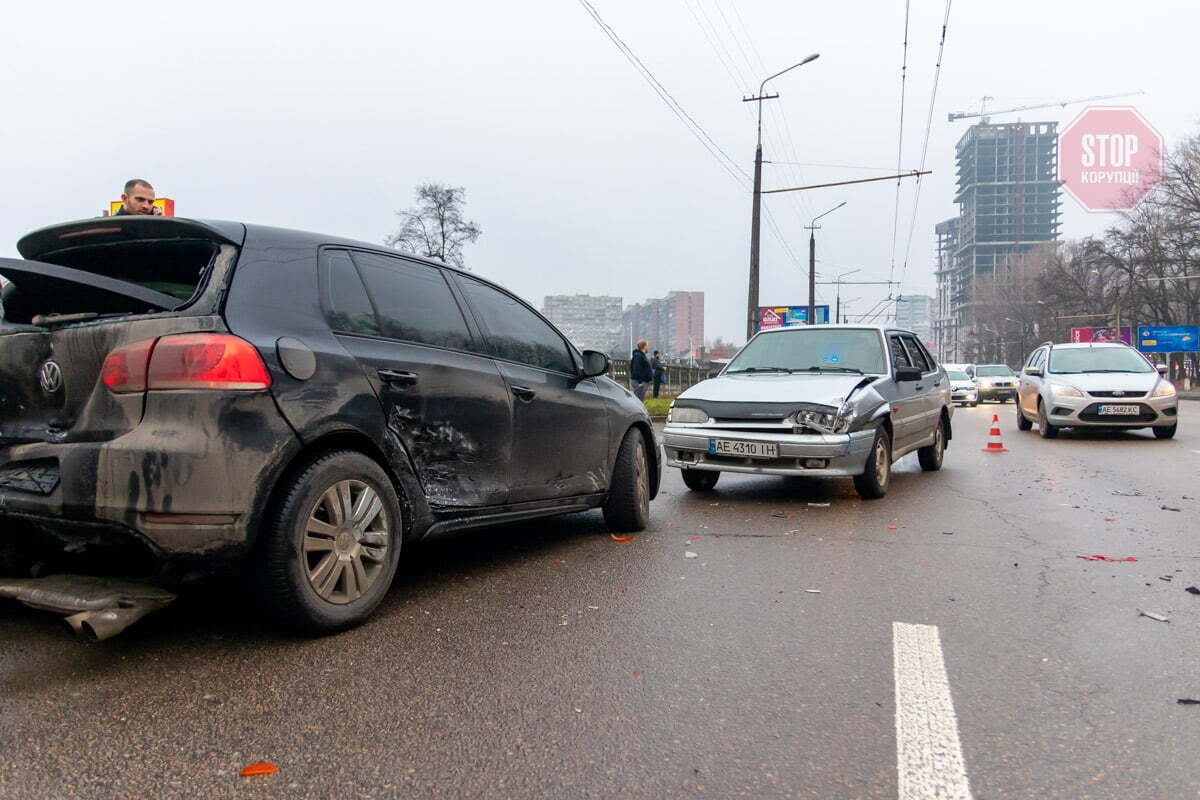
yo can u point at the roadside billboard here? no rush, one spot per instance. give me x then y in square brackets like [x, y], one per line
[1168, 338]
[788, 316]
[1102, 335]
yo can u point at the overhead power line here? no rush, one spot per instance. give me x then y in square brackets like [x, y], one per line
[937, 72]
[900, 140]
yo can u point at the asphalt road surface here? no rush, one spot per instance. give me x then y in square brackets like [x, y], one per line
[957, 645]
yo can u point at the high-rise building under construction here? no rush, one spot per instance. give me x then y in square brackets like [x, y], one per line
[1008, 198]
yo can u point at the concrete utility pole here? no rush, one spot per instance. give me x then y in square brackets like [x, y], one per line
[752, 295]
[812, 263]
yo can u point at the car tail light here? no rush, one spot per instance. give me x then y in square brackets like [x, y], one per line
[124, 370]
[206, 361]
[216, 361]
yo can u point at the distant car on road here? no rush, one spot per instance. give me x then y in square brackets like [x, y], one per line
[1095, 385]
[995, 382]
[203, 394]
[814, 401]
[962, 388]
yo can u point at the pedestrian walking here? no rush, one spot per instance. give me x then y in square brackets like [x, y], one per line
[660, 371]
[641, 373]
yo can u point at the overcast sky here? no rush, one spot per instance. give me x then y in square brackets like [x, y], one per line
[325, 117]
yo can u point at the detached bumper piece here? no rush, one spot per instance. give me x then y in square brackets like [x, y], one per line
[99, 608]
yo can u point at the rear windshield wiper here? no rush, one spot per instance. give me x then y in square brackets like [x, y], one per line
[854, 370]
[761, 369]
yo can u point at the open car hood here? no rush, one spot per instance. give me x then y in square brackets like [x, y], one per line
[105, 295]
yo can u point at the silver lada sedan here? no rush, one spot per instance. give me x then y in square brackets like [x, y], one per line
[821, 401]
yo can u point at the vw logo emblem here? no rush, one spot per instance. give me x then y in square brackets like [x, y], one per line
[50, 376]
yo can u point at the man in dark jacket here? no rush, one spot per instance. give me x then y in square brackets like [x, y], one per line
[138, 200]
[641, 373]
[660, 371]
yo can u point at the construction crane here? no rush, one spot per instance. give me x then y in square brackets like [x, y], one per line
[984, 114]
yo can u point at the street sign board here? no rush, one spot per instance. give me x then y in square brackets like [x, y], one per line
[1102, 335]
[788, 316]
[1168, 338]
[1109, 158]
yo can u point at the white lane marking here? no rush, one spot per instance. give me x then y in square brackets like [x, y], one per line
[929, 756]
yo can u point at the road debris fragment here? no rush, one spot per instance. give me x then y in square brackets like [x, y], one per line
[1169, 508]
[1130, 493]
[259, 768]
[689, 554]
[819, 505]
[1153, 616]
[616, 538]
[891, 527]
[779, 514]
[947, 533]
[1109, 559]
[1192, 590]
[1167, 578]
[1187, 701]
[813, 591]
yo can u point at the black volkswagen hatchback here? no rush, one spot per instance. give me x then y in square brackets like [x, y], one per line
[211, 394]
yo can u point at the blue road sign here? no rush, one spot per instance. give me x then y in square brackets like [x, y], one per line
[1168, 338]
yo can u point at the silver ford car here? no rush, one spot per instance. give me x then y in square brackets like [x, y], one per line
[821, 401]
[1095, 385]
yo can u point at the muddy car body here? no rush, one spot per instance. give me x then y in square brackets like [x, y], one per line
[167, 384]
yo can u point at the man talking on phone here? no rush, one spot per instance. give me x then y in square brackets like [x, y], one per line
[138, 199]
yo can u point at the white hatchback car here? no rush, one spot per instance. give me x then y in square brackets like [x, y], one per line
[1095, 385]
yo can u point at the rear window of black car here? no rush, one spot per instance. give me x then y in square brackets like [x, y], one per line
[177, 268]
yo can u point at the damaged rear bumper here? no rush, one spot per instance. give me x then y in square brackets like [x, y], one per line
[182, 495]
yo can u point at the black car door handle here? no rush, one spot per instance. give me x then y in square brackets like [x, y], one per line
[524, 393]
[396, 376]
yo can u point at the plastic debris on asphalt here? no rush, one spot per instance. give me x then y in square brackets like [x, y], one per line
[1153, 616]
[819, 505]
[1187, 701]
[1109, 559]
[1131, 493]
[891, 527]
[689, 554]
[616, 538]
[1168, 508]
[813, 591]
[259, 768]
[1192, 590]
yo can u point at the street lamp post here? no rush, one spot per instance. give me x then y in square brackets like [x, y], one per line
[752, 298]
[812, 263]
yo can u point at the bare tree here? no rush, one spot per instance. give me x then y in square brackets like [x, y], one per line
[435, 227]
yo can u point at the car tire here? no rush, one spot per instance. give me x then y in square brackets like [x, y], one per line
[974, 404]
[873, 483]
[336, 524]
[700, 480]
[1045, 429]
[1165, 433]
[930, 457]
[1023, 422]
[627, 507]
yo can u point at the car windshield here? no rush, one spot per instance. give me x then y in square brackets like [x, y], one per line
[958, 375]
[993, 371]
[812, 350]
[1097, 359]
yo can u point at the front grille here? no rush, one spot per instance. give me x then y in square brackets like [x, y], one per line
[1091, 414]
[1119, 394]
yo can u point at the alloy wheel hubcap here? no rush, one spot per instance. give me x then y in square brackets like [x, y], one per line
[345, 541]
[641, 478]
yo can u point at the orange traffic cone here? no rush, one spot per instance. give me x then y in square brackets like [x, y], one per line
[994, 444]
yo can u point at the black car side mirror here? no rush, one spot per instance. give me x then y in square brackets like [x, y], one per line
[595, 363]
[908, 373]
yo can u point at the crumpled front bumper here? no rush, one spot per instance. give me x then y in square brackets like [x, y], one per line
[808, 455]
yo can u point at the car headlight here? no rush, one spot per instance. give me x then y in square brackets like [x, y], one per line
[824, 421]
[687, 415]
[1060, 390]
[1164, 389]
